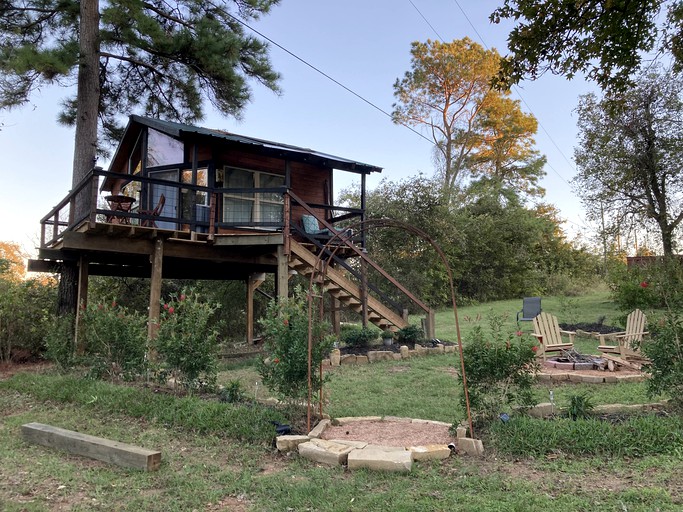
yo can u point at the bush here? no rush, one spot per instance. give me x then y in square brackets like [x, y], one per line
[360, 337]
[25, 316]
[59, 343]
[187, 341]
[580, 407]
[285, 329]
[500, 371]
[114, 341]
[410, 334]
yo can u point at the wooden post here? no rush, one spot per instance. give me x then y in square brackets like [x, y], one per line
[364, 291]
[429, 325]
[157, 259]
[82, 301]
[253, 282]
[282, 273]
[336, 315]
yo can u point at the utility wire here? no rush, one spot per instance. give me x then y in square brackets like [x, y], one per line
[425, 19]
[318, 70]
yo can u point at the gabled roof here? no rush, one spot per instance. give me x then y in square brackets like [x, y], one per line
[275, 149]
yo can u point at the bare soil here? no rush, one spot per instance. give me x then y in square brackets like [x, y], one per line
[390, 433]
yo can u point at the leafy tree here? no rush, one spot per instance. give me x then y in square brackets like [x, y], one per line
[448, 91]
[631, 154]
[506, 154]
[12, 265]
[604, 39]
[166, 57]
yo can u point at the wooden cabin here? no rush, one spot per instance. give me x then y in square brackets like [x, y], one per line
[181, 201]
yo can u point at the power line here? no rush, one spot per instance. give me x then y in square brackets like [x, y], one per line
[318, 70]
[425, 19]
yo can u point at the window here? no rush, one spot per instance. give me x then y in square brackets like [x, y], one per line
[249, 206]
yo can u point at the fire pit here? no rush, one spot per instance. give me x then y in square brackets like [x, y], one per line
[572, 360]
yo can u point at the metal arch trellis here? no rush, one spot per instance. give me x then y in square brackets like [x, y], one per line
[320, 268]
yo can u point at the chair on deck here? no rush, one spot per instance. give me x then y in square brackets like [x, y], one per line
[531, 307]
[549, 335]
[312, 227]
[628, 341]
[150, 223]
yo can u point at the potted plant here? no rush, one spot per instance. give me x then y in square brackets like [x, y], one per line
[387, 337]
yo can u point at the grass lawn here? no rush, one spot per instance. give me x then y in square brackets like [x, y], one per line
[216, 457]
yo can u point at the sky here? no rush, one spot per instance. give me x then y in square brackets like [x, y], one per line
[362, 44]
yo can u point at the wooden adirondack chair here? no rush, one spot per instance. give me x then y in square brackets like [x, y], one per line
[549, 335]
[628, 341]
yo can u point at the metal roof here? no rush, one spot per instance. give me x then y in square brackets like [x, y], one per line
[179, 130]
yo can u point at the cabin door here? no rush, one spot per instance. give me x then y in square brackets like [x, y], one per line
[171, 194]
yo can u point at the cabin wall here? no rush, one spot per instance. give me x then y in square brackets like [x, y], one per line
[311, 183]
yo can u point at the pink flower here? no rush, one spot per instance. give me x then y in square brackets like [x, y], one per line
[166, 306]
[171, 310]
[100, 306]
[286, 322]
[276, 360]
[644, 284]
[534, 348]
[113, 304]
[182, 297]
[519, 333]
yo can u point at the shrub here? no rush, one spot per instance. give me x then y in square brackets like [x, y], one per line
[579, 407]
[410, 334]
[233, 392]
[360, 337]
[187, 341]
[114, 341]
[664, 348]
[285, 329]
[59, 342]
[500, 370]
[25, 307]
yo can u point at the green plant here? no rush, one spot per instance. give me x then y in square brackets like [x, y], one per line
[233, 392]
[410, 334]
[285, 329]
[187, 341]
[359, 337]
[579, 406]
[500, 370]
[59, 342]
[113, 339]
[387, 334]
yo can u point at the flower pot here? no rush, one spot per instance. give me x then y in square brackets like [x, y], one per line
[388, 341]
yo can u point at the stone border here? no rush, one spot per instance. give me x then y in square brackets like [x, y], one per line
[373, 356]
[589, 379]
[547, 409]
[359, 454]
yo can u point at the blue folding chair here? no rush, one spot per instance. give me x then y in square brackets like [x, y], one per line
[531, 307]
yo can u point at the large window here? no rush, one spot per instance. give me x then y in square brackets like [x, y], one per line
[249, 206]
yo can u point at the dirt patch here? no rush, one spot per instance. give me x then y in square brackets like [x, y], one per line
[10, 369]
[390, 433]
[232, 503]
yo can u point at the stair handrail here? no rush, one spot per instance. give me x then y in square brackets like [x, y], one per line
[360, 253]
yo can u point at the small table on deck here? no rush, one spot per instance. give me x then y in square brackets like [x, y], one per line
[119, 203]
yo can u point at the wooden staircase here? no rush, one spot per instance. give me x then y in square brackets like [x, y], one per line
[344, 290]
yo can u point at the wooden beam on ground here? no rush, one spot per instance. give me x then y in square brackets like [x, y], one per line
[621, 361]
[121, 454]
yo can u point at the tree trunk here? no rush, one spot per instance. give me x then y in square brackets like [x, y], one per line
[68, 289]
[87, 99]
[85, 147]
